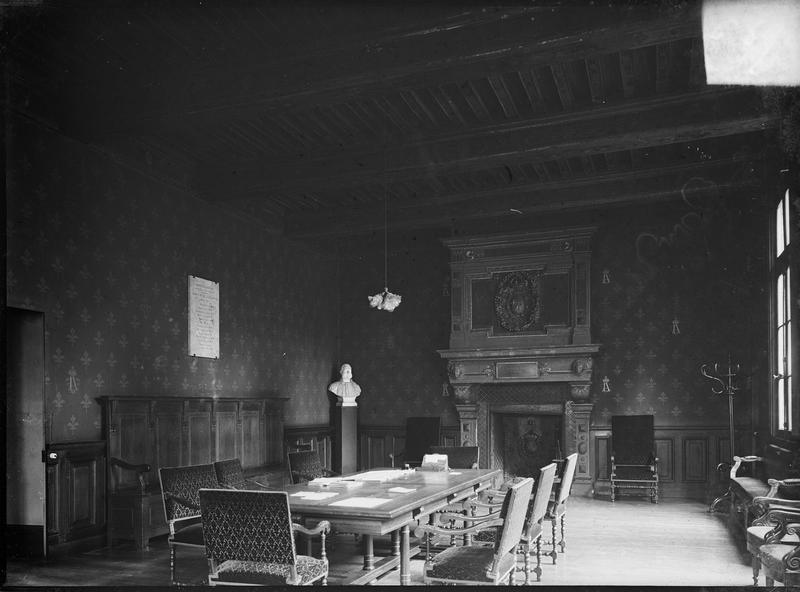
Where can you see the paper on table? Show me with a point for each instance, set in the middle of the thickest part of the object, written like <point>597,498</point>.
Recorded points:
<point>315,495</point>
<point>402,489</point>
<point>378,475</point>
<point>325,480</point>
<point>361,502</point>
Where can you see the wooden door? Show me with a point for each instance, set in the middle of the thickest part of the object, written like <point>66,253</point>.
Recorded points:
<point>25,434</point>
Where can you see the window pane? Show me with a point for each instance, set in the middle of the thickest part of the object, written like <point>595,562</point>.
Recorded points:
<point>789,411</point>
<point>787,210</point>
<point>787,301</point>
<point>779,235</point>
<point>781,354</point>
<point>781,384</point>
<point>780,298</point>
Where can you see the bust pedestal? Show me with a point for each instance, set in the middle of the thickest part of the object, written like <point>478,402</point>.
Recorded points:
<point>345,452</point>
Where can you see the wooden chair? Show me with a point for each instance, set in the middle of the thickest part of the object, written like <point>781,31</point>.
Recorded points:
<point>180,487</point>
<point>481,564</point>
<point>306,465</point>
<point>534,523</point>
<point>557,508</point>
<point>421,434</point>
<point>231,476</point>
<point>634,464</point>
<point>762,531</point>
<point>459,457</point>
<point>249,539</point>
<point>780,561</point>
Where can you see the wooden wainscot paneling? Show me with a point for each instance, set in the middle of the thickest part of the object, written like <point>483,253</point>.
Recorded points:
<point>76,483</point>
<point>145,433</point>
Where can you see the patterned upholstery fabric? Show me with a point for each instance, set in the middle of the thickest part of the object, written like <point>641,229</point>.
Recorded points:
<point>305,466</point>
<point>474,564</point>
<point>309,570</point>
<point>185,482</point>
<point>467,564</point>
<point>459,457</point>
<point>249,538</point>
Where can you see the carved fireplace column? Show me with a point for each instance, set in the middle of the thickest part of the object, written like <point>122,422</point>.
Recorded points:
<point>578,416</point>
<point>467,415</point>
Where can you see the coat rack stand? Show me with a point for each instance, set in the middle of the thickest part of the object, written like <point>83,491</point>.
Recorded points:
<point>724,386</point>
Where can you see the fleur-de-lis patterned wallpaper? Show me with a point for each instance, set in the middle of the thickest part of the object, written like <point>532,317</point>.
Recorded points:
<point>105,252</point>
<point>673,287</point>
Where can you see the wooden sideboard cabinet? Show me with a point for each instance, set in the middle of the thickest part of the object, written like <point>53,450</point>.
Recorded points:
<point>76,496</point>
<point>145,433</point>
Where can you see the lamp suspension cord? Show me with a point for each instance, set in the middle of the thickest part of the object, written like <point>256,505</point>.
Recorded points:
<point>386,241</point>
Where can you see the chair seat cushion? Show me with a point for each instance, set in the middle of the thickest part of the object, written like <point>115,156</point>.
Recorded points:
<point>190,535</point>
<point>748,487</point>
<point>755,538</point>
<point>771,557</point>
<point>467,564</point>
<point>309,570</point>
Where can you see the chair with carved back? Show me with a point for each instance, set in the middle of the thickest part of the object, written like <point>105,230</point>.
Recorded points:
<point>421,434</point>
<point>634,464</point>
<point>231,475</point>
<point>249,537</point>
<point>531,539</point>
<point>557,508</point>
<point>491,564</point>
<point>780,560</point>
<point>782,493</point>
<point>180,492</point>
<point>459,457</point>
<point>305,465</point>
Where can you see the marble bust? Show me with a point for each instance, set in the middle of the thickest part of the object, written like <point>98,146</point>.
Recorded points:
<point>345,389</point>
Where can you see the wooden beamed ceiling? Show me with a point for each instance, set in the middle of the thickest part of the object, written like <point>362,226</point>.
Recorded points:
<point>309,116</point>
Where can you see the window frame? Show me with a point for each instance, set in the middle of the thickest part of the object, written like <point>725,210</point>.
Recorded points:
<point>784,264</point>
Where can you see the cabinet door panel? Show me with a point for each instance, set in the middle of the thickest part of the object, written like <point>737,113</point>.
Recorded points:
<point>226,435</point>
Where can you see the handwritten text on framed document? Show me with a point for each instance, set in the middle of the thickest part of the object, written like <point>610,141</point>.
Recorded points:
<point>203,318</point>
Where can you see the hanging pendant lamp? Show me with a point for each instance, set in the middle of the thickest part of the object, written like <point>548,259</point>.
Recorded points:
<point>385,300</point>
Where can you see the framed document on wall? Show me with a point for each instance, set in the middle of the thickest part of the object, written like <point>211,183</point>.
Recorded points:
<point>203,318</point>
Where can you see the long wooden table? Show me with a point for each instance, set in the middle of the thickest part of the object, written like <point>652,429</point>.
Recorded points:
<point>385,501</point>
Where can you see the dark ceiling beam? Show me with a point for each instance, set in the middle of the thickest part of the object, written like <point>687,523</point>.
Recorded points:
<point>709,178</point>
<point>514,45</point>
<point>609,129</point>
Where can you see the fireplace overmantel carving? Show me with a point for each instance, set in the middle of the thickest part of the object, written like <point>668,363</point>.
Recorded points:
<point>520,314</point>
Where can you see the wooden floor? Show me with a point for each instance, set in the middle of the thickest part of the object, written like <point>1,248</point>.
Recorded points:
<point>630,542</point>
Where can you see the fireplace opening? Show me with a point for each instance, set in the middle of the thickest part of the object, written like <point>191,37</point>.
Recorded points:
<point>524,443</point>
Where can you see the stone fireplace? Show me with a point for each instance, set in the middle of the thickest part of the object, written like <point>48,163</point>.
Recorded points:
<point>520,359</point>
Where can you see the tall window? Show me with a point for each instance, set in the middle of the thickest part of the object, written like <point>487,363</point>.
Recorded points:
<point>783,364</point>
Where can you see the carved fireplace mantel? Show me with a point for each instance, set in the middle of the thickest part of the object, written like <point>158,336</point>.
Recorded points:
<point>520,341</point>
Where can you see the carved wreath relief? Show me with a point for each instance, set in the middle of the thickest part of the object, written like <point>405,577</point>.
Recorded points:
<point>516,302</point>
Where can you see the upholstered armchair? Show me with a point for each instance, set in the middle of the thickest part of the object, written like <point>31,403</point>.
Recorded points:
<point>763,530</point>
<point>557,508</point>
<point>780,560</point>
<point>531,539</point>
<point>480,564</point>
<point>180,487</point>
<point>231,476</point>
<point>249,539</point>
<point>306,465</point>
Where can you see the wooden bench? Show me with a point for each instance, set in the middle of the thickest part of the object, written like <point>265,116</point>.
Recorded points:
<point>749,478</point>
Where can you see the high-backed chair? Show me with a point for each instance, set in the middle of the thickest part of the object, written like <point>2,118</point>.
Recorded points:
<point>557,508</point>
<point>634,465</point>
<point>231,476</point>
<point>180,487</point>
<point>459,457</point>
<point>763,531</point>
<point>249,538</point>
<point>534,522</point>
<point>421,434</point>
<point>780,561</point>
<point>306,465</point>
<point>481,564</point>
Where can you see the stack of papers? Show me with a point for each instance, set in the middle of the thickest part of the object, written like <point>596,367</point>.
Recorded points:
<point>325,480</point>
<point>314,495</point>
<point>379,475</point>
